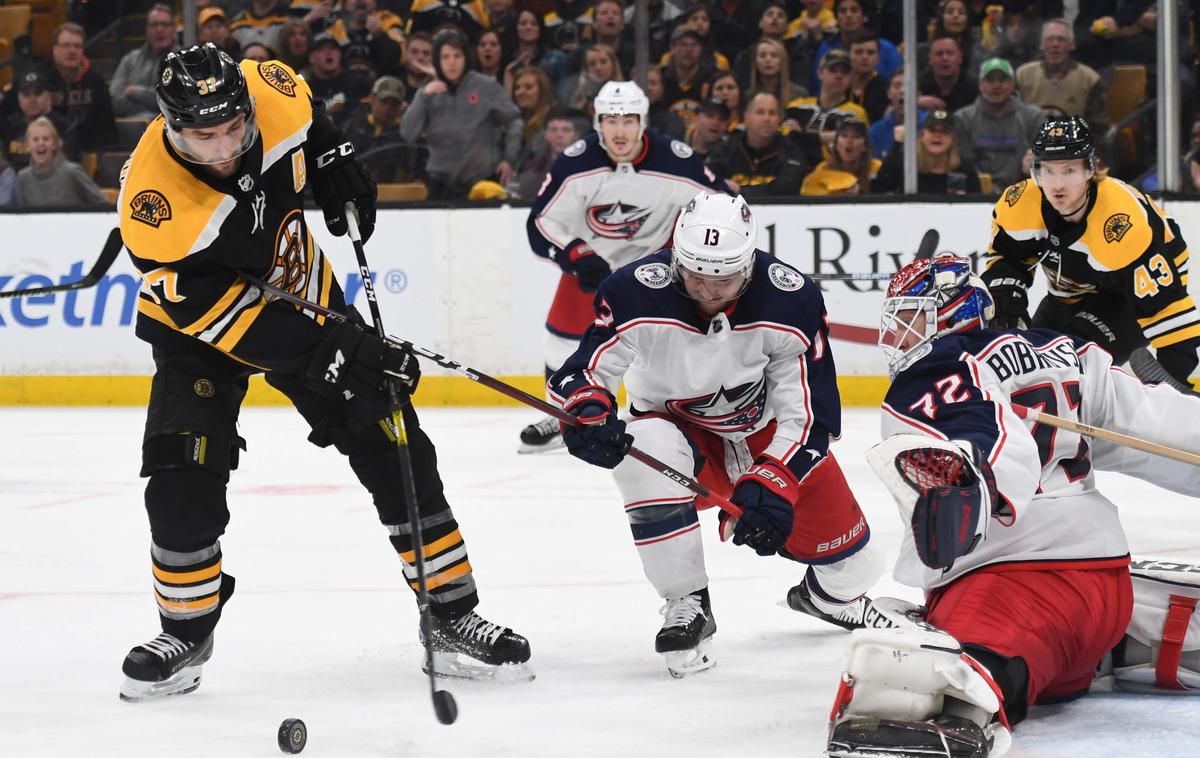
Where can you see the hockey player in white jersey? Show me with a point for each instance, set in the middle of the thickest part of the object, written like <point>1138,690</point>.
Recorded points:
<point>608,200</point>
<point>1025,567</point>
<point>725,356</point>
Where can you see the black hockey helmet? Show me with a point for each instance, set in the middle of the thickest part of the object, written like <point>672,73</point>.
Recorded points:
<point>1064,139</point>
<point>200,87</point>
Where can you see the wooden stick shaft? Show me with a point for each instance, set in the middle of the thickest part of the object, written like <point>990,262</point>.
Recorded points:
<point>1117,438</point>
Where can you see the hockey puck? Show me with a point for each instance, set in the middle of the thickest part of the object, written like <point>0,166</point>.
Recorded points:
<point>293,735</point>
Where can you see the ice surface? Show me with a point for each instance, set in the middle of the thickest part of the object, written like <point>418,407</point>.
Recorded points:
<point>322,628</point>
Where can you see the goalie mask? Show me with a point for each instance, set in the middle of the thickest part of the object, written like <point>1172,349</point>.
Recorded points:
<point>712,255</point>
<point>927,299</point>
<point>202,90</point>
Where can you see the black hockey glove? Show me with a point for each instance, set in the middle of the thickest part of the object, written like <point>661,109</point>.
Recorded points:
<point>947,514</point>
<point>765,493</point>
<point>1012,304</point>
<point>600,439</point>
<point>339,178</point>
<point>351,360</point>
<point>582,262</point>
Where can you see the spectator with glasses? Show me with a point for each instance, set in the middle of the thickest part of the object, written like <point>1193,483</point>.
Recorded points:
<point>79,92</point>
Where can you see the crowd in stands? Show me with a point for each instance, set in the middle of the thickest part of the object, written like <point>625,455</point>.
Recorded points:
<point>473,99</point>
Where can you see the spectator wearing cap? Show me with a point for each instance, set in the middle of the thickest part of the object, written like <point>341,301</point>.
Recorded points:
<point>372,40</point>
<point>698,18</point>
<point>835,73</point>
<point>661,118</point>
<point>377,126</point>
<point>1059,81</point>
<point>945,78</point>
<point>881,133</point>
<point>760,161</point>
<point>684,75</point>
<point>132,87</point>
<point>995,131</point>
<point>849,168</point>
<point>338,88</point>
<point>470,16</point>
<point>50,179</point>
<point>34,101</point>
<point>212,27</point>
<point>260,22</point>
<point>711,126</point>
<point>868,88</point>
<point>79,93</point>
<point>851,17</point>
<point>561,132</point>
<point>470,125</point>
<point>941,170</point>
<point>292,42</point>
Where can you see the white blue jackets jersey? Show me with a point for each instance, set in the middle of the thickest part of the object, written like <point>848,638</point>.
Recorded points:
<point>1049,510</point>
<point>765,358</point>
<point>623,211</point>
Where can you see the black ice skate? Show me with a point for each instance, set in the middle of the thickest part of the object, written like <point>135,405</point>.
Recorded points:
<point>166,665</point>
<point>944,737</point>
<point>846,615</point>
<point>541,436</point>
<point>686,635</point>
<point>500,652</point>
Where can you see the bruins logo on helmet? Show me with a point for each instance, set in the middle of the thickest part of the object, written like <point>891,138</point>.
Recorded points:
<point>278,77</point>
<point>150,207</point>
<point>1014,194</point>
<point>1116,226</point>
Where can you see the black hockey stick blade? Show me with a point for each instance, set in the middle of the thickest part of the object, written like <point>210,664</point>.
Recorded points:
<point>112,248</point>
<point>445,707</point>
<point>928,245</point>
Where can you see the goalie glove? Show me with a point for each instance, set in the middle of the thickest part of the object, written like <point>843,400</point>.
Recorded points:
<point>941,492</point>
<point>579,260</point>
<point>1012,304</point>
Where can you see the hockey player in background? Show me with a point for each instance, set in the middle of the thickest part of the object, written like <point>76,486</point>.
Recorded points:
<point>608,200</point>
<point>214,189</point>
<point>1025,567</point>
<point>1116,265</point>
<point>725,354</point>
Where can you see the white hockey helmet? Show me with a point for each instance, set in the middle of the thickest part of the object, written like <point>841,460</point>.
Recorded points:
<point>619,99</point>
<point>715,235</point>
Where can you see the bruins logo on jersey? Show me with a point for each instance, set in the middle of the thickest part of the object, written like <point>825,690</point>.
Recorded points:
<point>278,77</point>
<point>1116,226</point>
<point>150,207</point>
<point>290,268</point>
<point>1014,194</point>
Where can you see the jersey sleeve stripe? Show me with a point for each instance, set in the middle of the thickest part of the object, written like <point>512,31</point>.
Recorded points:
<point>214,331</point>
<point>929,430</point>
<point>221,307</point>
<point>1171,338</point>
<point>1179,306</point>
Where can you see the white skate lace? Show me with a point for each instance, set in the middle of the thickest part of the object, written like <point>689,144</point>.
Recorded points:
<point>474,625</point>
<point>681,612</point>
<point>852,611</point>
<point>167,645</point>
<point>547,426</point>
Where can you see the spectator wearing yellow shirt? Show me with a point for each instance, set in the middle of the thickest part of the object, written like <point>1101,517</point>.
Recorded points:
<point>813,24</point>
<point>849,169</point>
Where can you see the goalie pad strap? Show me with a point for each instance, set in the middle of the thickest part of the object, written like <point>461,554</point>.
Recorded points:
<point>1175,628</point>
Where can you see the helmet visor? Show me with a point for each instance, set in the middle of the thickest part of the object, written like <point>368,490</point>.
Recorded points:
<point>706,288</point>
<point>213,145</point>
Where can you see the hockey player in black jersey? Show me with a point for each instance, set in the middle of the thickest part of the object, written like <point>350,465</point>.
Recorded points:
<point>214,191</point>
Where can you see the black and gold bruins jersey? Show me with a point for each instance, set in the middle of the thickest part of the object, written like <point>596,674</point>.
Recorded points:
<point>191,234</point>
<point>1124,245</point>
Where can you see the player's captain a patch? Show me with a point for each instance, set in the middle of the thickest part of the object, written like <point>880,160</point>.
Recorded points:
<point>654,275</point>
<point>1116,226</point>
<point>278,77</point>
<point>150,207</point>
<point>784,278</point>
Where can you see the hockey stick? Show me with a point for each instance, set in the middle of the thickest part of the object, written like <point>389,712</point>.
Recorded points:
<point>510,391</point>
<point>112,248</point>
<point>1147,368</point>
<point>443,702</point>
<point>1117,438</point>
<point>928,246</point>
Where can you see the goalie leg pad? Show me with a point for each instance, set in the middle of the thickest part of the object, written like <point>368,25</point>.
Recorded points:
<point>1161,650</point>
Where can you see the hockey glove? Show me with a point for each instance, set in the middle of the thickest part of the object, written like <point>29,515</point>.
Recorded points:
<point>1012,304</point>
<point>765,493</point>
<point>582,262</point>
<point>351,360</point>
<point>600,438</point>
<point>340,178</point>
<point>952,493</point>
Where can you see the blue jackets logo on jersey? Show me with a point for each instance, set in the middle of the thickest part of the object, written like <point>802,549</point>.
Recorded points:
<point>726,410</point>
<point>617,220</point>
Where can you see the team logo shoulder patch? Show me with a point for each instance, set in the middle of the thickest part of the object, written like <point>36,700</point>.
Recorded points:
<point>575,149</point>
<point>150,207</point>
<point>654,275</point>
<point>1013,194</point>
<point>1116,226</point>
<point>784,278</point>
<point>278,77</point>
<point>682,149</point>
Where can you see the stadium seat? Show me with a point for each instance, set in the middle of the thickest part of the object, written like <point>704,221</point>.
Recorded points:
<point>985,182</point>
<point>110,194</point>
<point>129,131</point>
<point>14,20</point>
<point>88,162</point>
<point>108,169</point>
<point>1127,91</point>
<point>403,192</point>
<point>6,51</point>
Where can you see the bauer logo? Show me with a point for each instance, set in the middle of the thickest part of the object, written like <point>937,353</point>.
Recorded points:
<point>654,275</point>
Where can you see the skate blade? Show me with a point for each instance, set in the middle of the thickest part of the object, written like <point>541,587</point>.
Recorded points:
<point>681,663</point>
<point>185,680</point>
<point>555,444</point>
<point>454,666</point>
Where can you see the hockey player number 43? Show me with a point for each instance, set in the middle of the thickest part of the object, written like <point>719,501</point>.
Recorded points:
<point>1148,277</point>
